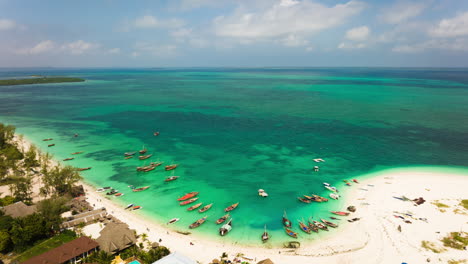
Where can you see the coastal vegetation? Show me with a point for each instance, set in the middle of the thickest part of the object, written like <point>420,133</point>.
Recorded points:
<point>464,203</point>
<point>40,80</point>
<point>456,240</point>
<point>431,246</point>
<point>147,257</point>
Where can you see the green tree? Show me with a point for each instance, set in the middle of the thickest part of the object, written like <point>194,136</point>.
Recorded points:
<point>51,209</point>
<point>60,180</point>
<point>5,241</point>
<point>100,257</point>
<point>6,134</point>
<point>21,189</point>
<point>27,230</point>
<point>30,158</point>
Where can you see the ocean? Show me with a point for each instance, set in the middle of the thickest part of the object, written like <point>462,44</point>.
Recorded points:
<point>234,131</point>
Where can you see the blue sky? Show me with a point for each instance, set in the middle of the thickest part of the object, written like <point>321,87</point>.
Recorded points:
<point>233,33</point>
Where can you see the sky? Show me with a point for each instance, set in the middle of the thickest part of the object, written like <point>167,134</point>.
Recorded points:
<point>233,33</point>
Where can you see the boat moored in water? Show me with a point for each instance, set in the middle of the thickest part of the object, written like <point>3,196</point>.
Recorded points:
<point>75,153</point>
<point>119,194</point>
<point>129,206</point>
<point>205,208</point>
<point>193,207</point>
<point>312,226</point>
<point>231,207</point>
<point>172,178</point>
<point>334,196</point>
<point>340,213</point>
<point>265,235</point>
<point>328,223</point>
<point>222,219</point>
<point>286,221</point>
<point>50,145</point>
<point>143,151</point>
<point>198,223</point>
<point>173,220</point>
<point>304,200</point>
<point>188,201</point>
<point>137,207</point>
<point>145,157</point>
<point>127,154</point>
<point>83,169</point>
<point>188,196</point>
<point>171,167</point>
<point>140,189</point>
<point>304,227</point>
<point>47,139</point>
<point>290,232</point>
<point>226,228</point>
<point>67,159</point>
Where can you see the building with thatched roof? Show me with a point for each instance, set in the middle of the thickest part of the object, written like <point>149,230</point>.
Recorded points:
<point>175,258</point>
<point>265,261</point>
<point>71,252</point>
<point>19,209</point>
<point>86,218</point>
<point>116,237</point>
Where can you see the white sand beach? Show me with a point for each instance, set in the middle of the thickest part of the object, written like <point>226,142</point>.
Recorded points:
<point>375,238</point>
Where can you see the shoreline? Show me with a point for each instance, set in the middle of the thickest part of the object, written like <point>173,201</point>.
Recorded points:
<point>353,241</point>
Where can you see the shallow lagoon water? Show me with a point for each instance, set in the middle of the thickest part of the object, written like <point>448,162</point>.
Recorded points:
<point>233,131</point>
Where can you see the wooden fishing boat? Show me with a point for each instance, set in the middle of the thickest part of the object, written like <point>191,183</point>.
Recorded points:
<point>193,207</point>
<point>232,207</point>
<point>156,164</point>
<point>328,223</point>
<point>145,157</point>
<point>68,159</point>
<point>205,208</point>
<point>188,196</point>
<point>198,222</point>
<point>308,197</point>
<point>156,134</point>
<point>226,228</point>
<point>320,225</point>
<point>188,201</point>
<point>319,199</point>
<point>128,206</point>
<point>356,181</point>
<point>129,157</point>
<point>143,151</point>
<point>340,213</point>
<point>118,194</point>
<point>286,221</point>
<point>265,235</point>
<point>304,200</point>
<point>173,220</point>
<point>172,178</point>
<point>83,169</point>
<point>140,189</point>
<point>137,207</point>
<point>334,218</point>
<point>312,226</point>
<point>75,153</point>
<point>149,169</point>
<point>290,232</point>
<point>171,167</point>
<point>47,139</point>
<point>222,219</point>
<point>112,192</point>
<point>50,145</point>
<point>304,227</point>
<point>127,154</point>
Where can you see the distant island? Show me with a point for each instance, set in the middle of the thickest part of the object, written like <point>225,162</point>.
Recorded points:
<point>41,79</point>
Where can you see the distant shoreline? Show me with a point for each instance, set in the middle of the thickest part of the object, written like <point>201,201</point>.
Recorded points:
<point>40,80</point>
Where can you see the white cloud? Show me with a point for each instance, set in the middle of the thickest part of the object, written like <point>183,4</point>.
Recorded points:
<point>153,22</point>
<point>358,33</point>
<point>41,47</point>
<point>293,41</point>
<point>402,11</point>
<point>114,51</point>
<point>434,44</point>
<point>284,18</point>
<point>181,33</point>
<point>159,50</point>
<point>7,24</point>
<point>79,47</point>
<point>452,27</point>
<point>351,46</point>
<point>192,4</point>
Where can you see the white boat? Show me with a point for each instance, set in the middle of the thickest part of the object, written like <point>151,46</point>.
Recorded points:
<point>262,193</point>
<point>225,228</point>
<point>334,196</point>
<point>326,184</point>
<point>319,160</point>
<point>100,190</point>
<point>173,220</point>
<point>128,206</point>
<point>331,188</point>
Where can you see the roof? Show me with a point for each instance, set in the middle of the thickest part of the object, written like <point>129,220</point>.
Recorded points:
<point>175,258</point>
<point>64,252</point>
<point>19,209</point>
<point>265,261</point>
<point>116,237</point>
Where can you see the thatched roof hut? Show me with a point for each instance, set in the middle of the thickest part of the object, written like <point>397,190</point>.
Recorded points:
<point>116,237</point>
<point>265,261</point>
<point>19,209</point>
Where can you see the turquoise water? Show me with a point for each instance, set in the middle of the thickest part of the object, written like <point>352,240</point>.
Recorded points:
<point>233,131</point>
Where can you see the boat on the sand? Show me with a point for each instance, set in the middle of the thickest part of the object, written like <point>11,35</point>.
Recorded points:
<point>286,221</point>
<point>265,235</point>
<point>231,207</point>
<point>188,196</point>
<point>198,222</point>
<point>334,196</point>
<point>140,189</point>
<point>226,228</point>
<point>356,181</point>
<point>188,201</point>
<point>328,223</point>
<point>193,207</point>
<point>205,208</point>
<point>173,220</point>
<point>290,232</point>
<point>340,213</point>
<point>222,219</point>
